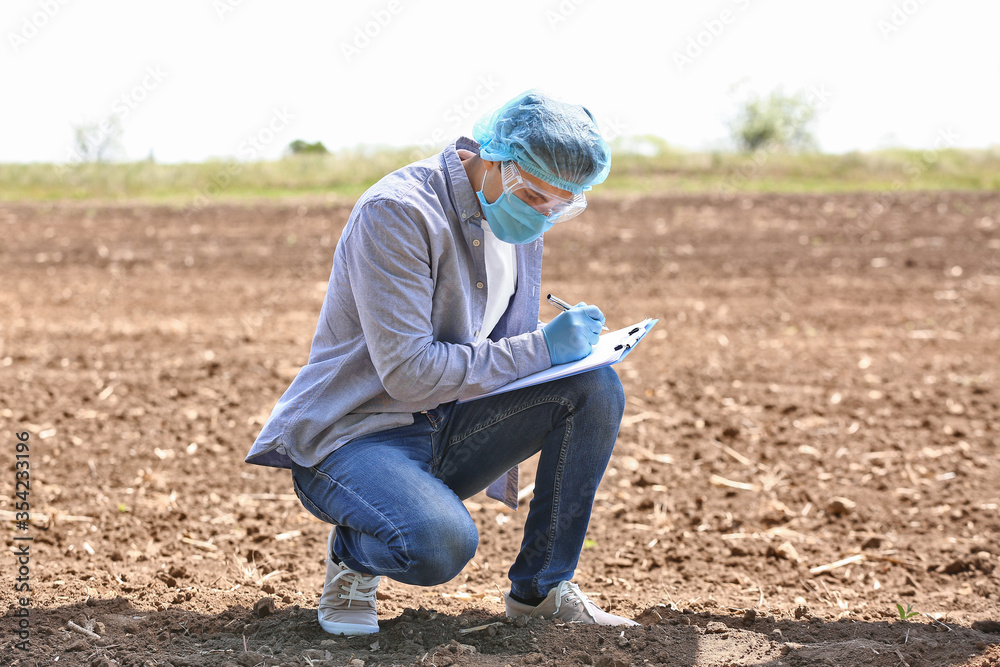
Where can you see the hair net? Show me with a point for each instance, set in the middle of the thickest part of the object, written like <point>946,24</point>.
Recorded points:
<point>556,142</point>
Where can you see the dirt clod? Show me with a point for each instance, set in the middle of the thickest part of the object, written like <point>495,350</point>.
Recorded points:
<point>873,542</point>
<point>264,607</point>
<point>77,645</point>
<point>250,659</point>
<point>992,627</point>
<point>784,551</point>
<point>840,506</point>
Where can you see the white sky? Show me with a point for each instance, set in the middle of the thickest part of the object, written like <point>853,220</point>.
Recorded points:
<point>212,73</point>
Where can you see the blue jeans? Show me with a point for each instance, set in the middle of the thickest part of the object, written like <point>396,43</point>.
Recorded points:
<point>396,495</point>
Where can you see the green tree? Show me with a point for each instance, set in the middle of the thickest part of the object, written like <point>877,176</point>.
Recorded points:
<point>776,121</point>
<point>300,147</point>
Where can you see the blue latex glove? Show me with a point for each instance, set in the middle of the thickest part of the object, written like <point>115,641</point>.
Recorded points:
<point>571,335</point>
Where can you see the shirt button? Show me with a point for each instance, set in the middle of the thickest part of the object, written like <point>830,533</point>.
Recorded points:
<point>479,285</point>
<point>475,215</point>
<point>476,242</point>
<point>476,334</point>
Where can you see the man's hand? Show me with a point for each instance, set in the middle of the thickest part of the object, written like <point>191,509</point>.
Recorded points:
<point>571,335</point>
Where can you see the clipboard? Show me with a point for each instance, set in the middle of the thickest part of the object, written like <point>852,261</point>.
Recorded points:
<point>610,349</point>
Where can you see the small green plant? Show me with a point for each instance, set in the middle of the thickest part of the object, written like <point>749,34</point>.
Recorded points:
<point>906,613</point>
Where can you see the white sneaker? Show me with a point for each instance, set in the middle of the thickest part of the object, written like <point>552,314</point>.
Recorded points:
<point>567,603</point>
<point>347,605</point>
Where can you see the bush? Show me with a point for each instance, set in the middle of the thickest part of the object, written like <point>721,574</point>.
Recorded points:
<point>299,147</point>
<point>775,122</point>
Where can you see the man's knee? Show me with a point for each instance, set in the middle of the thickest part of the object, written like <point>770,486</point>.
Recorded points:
<point>602,390</point>
<point>439,550</point>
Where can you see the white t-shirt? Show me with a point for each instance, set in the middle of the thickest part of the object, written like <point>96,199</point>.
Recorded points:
<point>501,279</point>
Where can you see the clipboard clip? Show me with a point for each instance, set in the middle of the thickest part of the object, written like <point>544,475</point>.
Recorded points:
<point>631,338</point>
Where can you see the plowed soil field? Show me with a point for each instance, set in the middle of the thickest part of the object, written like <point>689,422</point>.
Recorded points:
<point>811,438</point>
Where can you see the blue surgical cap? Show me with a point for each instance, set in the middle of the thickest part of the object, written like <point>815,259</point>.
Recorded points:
<point>556,142</point>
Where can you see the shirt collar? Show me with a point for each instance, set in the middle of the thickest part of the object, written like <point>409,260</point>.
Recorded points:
<point>466,202</point>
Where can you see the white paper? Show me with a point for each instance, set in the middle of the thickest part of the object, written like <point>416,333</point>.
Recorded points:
<point>603,354</point>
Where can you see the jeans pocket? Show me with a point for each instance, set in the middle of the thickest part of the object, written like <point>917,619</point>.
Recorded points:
<point>310,506</point>
<point>438,419</point>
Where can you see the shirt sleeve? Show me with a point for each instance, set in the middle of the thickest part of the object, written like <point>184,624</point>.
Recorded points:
<point>387,251</point>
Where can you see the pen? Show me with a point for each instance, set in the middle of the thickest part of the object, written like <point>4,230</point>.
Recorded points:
<point>562,305</point>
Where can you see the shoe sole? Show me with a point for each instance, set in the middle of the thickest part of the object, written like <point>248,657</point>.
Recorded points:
<point>347,628</point>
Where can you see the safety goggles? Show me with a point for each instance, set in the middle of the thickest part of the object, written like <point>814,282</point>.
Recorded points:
<point>555,208</point>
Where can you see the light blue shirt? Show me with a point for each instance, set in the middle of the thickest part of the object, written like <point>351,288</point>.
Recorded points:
<point>397,333</point>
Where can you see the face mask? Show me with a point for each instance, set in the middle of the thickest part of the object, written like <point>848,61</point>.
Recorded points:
<point>512,220</point>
